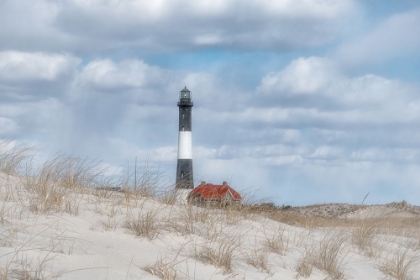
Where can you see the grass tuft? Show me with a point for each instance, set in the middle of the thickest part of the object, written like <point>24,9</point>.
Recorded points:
<point>258,258</point>
<point>326,256</point>
<point>144,225</point>
<point>219,253</point>
<point>401,266</point>
<point>163,270</point>
<point>275,242</point>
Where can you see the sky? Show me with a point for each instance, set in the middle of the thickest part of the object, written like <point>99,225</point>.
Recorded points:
<point>297,101</point>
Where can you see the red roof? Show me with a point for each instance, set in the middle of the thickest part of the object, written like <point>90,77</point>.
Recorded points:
<point>210,191</point>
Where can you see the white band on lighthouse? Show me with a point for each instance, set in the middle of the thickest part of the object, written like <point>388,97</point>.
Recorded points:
<point>185,145</point>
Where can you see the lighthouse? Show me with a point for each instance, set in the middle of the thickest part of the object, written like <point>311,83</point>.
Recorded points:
<point>184,169</point>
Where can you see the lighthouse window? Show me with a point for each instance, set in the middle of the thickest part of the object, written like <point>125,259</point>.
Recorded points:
<point>182,174</point>
<point>183,116</point>
<point>183,129</point>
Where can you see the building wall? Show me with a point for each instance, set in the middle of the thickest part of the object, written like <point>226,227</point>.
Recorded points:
<point>197,200</point>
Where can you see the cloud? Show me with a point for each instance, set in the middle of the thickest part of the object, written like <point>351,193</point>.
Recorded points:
<point>25,67</point>
<point>163,154</point>
<point>396,155</point>
<point>319,84</point>
<point>28,26</point>
<point>105,75</point>
<point>351,181</point>
<point>355,133</point>
<point>156,26</point>
<point>303,76</point>
<point>178,24</point>
<point>135,80</point>
<point>323,118</point>
<point>29,76</point>
<point>48,117</point>
<point>8,127</point>
<point>397,36</point>
<point>255,179</point>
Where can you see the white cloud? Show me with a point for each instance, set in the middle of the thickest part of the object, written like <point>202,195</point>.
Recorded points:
<point>301,76</point>
<point>111,170</point>
<point>23,67</point>
<point>129,150</point>
<point>106,74</point>
<point>395,37</point>
<point>8,127</point>
<point>322,81</point>
<point>43,123</point>
<point>207,39</point>
<point>327,152</point>
<point>28,26</point>
<point>164,25</point>
<point>405,155</point>
<point>135,80</point>
<point>351,181</point>
<point>243,174</point>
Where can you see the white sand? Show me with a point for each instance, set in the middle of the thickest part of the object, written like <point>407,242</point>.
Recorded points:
<point>95,244</point>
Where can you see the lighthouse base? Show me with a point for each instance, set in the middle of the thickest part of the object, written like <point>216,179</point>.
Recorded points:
<point>181,196</point>
<point>184,174</point>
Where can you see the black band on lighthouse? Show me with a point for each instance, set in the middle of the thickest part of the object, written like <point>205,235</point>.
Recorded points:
<point>184,175</point>
<point>184,118</point>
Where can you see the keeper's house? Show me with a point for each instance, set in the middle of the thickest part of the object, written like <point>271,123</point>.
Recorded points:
<point>214,195</point>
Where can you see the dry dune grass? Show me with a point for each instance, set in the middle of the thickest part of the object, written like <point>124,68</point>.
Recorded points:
<point>163,270</point>
<point>232,240</point>
<point>326,255</point>
<point>143,225</point>
<point>13,155</point>
<point>292,218</point>
<point>275,241</point>
<point>258,258</point>
<point>401,265</point>
<point>219,253</point>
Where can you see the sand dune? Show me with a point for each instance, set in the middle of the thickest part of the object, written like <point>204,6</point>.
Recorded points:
<point>53,227</point>
<point>343,210</point>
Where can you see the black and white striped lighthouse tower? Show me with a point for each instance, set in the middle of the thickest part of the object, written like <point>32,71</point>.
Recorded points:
<point>184,169</point>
